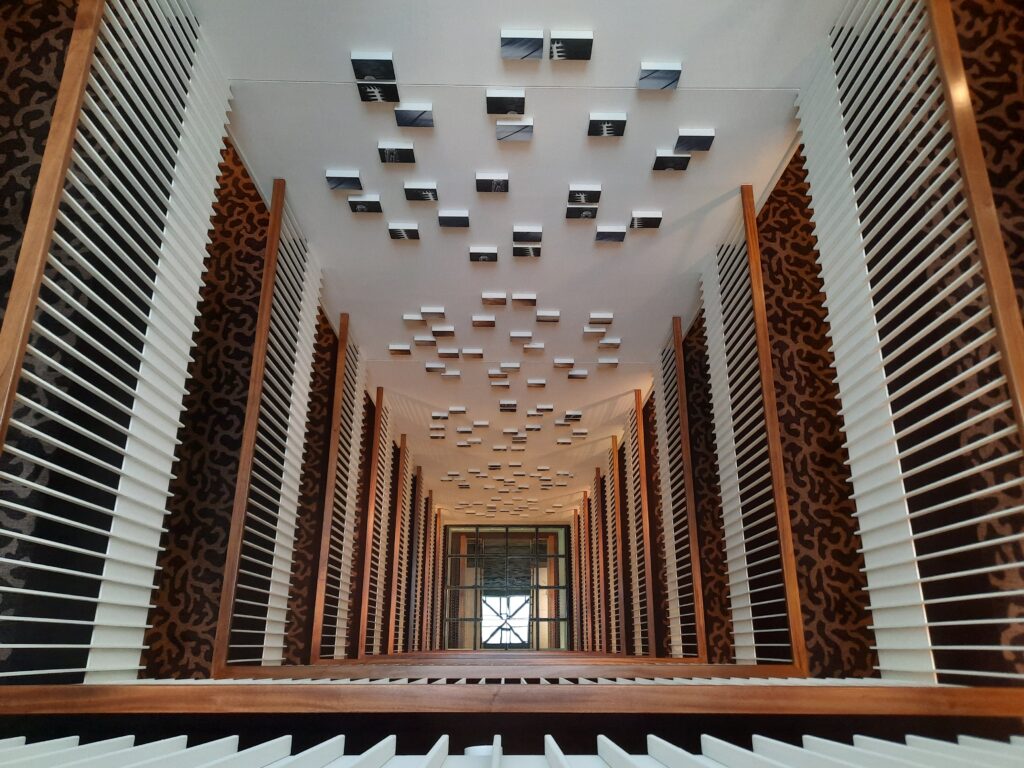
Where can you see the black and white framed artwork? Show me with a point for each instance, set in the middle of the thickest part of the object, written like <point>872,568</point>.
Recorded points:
<point>421,191</point>
<point>453,218</point>
<point>483,253</point>
<point>373,66</point>
<point>695,139</point>
<point>414,115</point>
<point>581,212</point>
<point>396,152</point>
<point>525,251</point>
<point>580,194</point>
<point>607,124</point>
<point>522,44</point>
<point>659,76</point>
<point>527,233</point>
<point>342,180</point>
<point>669,160</point>
<point>610,234</point>
<point>645,220</point>
<point>403,231</point>
<point>506,101</point>
<point>514,130</point>
<point>491,182</point>
<point>365,203</point>
<point>378,92</point>
<point>571,46</point>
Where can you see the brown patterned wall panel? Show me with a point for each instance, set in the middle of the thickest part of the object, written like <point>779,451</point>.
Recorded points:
<point>34,35</point>
<point>707,495</point>
<point>309,519</point>
<point>191,566</point>
<point>658,612</point>
<point>832,586</point>
<point>991,36</point>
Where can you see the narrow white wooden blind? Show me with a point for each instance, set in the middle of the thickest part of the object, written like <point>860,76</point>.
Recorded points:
<point>376,619</point>
<point>674,513</point>
<point>339,611</point>
<point>402,569</point>
<point>865,751</point>
<point>260,610</point>
<point>614,573</point>
<point>87,462</point>
<point>753,554</point>
<point>636,553</point>
<point>934,449</point>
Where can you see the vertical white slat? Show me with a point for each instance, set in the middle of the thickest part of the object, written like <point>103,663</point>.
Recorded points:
<point>732,513</point>
<point>134,754</point>
<point>196,757</point>
<point>377,755</point>
<point>322,755</point>
<point>122,610</point>
<point>793,756</point>
<point>672,756</point>
<point>732,756</point>
<point>49,747</point>
<point>553,753</point>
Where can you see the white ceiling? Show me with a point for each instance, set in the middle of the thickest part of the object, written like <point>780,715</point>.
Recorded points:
<point>296,112</point>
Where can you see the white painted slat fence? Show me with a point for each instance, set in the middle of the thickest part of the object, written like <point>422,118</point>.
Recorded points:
<point>88,456</point>
<point>815,752</point>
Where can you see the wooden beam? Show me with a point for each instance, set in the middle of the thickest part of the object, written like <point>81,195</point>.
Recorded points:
<point>417,560</point>
<point>586,590</point>
<point>616,514</point>
<point>428,578</point>
<point>368,522</point>
<point>775,700</point>
<point>396,545</point>
<point>771,417</point>
<point>330,486</point>
<point>981,205</point>
<point>247,450</point>
<point>38,235</point>
<point>645,521</point>
<point>691,502</point>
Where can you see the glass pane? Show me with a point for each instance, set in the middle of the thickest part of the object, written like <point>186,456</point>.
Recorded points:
<point>552,635</point>
<point>506,621</point>
<point>549,572</point>
<point>463,571</point>
<point>463,603</point>
<point>549,542</point>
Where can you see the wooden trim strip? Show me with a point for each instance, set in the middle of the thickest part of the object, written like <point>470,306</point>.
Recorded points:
<point>587,576</point>
<point>771,417</point>
<point>38,236</point>
<point>417,559</point>
<point>428,577</point>
<point>621,569</point>
<point>645,520</point>
<point>981,205</point>
<point>156,698</point>
<point>330,485</point>
<point>368,521</point>
<point>396,546</point>
<point>252,411</point>
<point>691,501</point>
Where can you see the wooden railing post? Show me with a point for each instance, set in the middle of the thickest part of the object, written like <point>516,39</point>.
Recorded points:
<point>798,642</point>
<point>691,502</point>
<point>620,563</point>
<point>645,521</point>
<point>330,485</point>
<point>248,447</point>
<point>396,546</point>
<point>38,235</point>
<point>368,523</point>
<point>981,206</point>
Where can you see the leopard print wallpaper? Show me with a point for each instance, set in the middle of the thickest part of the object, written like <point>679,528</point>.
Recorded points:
<point>191,566</point>
<point>707,494</point>
<point>991,36</point>
<point>34,35</point>
<point>306,557</point>
<point>832,587</point>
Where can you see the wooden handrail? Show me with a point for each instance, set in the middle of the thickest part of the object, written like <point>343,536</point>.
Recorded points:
<point>988,235</point>
<point>368,523</point>
<point>794,618</point>
<point>775,700</point>
<point>396,546</point>
<point>330,485</point>
<point>645,521</point>
<point>247,450</point>
<point>679,356</point>
<point>46,197</point>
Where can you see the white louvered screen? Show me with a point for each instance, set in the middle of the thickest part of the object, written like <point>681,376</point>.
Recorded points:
<point>612,565</point>
<point>339,611</point>
<point>674,513</point>
<point>636,553</point>
<point>402,569</point>
<point>865,751</point>
<point>260,609</point>
<point>87,461</point>
<point>935,455</point>
<point>376,618</point>
<point>753,554</point>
